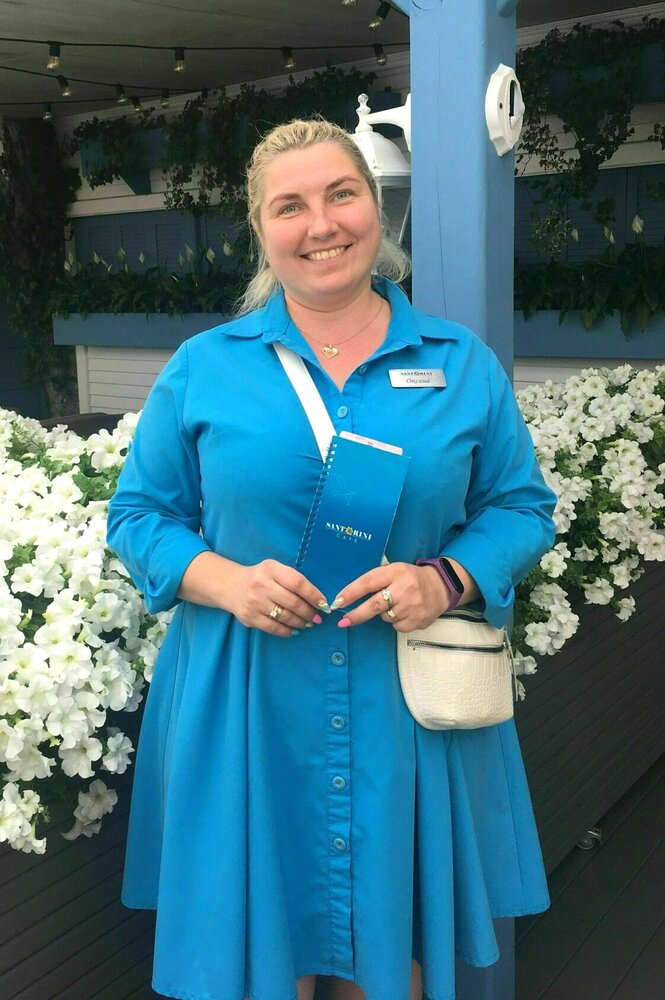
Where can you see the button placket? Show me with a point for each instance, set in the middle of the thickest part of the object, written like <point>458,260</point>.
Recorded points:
<point>338,762</point>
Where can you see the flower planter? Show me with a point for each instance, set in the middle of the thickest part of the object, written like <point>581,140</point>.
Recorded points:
<point>155,330</point>
<point>594,717</point>
<point>542,336</point>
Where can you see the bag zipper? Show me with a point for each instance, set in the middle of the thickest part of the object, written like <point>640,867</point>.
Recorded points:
<point>418,643</point>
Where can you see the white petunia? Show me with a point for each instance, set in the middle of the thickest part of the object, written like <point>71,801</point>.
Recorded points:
<point>117,756</point>
<point>626,608</point>
<point>78,759</point>
<point>600,591</point>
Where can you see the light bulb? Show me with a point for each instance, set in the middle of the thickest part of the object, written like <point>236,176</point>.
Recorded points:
<point>48,114</point>
<point>165,97</point>
<point>53,56</point>
<point>381,57</point>
<point>121,95</point>
<point>381,14</point>
<point>179,63</point>
<point>65,87</point>
<point>289,61</point>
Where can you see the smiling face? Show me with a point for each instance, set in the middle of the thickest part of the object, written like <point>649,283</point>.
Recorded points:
<point>319,226</point>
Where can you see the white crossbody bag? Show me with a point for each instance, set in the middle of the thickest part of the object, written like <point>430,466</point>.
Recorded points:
<point>458,672</point>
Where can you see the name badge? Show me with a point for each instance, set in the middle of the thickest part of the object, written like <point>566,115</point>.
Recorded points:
<point>417,378</point>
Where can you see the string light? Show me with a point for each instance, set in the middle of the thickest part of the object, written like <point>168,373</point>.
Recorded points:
<point>381,57</point>
<point>65,87</point>
<point>136,101</point>
<point>179,60</point>
<point>349,3</point>
<point>165,97</point>
<point>289,61</point>
<point>381,14</point>
<point>53,56</point>
<point>47,114</point>
<point>121,95</point>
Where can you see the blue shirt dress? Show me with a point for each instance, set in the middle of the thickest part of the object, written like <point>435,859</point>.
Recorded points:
<point>289,816</point>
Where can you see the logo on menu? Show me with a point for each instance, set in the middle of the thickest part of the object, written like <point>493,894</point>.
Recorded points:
<point>348,533</point>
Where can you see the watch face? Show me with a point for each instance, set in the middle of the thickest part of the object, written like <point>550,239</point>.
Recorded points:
<point>450,572</point>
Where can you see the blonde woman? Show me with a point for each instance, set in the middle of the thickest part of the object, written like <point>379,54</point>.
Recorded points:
<point>290,819</point>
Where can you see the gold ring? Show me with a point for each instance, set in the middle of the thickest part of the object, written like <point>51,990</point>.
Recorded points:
<point>387,596</point>
<point>391,613</point>
<point>277,612</point>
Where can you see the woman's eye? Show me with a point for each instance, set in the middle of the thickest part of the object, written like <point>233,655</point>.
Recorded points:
<point>342,195</point>
<point>288,209</point>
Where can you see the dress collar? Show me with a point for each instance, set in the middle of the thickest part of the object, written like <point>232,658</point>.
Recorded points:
<point>407,326</point>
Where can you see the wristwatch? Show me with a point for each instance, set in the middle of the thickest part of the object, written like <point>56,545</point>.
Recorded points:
<point>454,585</point>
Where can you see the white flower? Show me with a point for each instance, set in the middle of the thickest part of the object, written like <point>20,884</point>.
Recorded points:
<point>637,225</point>
<point>119,747</point>
<point>599,591</point>
<point>78,759</point>
<point>96,802</point>
<point>584,554</point>
<point>553,563</point>
<point>626,608</point>
<point>652,546</point>
<point>538,637</point>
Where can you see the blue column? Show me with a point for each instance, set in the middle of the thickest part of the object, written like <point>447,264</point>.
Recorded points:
<point>463,192</point>
<point>463,231</point>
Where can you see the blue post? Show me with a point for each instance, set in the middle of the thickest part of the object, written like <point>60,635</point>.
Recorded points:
<point>463,192</point>
<point>463,230</point>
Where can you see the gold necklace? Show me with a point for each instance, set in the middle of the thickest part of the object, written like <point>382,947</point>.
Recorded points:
<point>332,350</point>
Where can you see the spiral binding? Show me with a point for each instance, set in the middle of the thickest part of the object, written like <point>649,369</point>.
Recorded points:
<point>316,503</point>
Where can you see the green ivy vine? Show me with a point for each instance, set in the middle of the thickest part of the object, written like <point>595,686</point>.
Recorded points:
<point>589,78</point>
<point>35,190</point>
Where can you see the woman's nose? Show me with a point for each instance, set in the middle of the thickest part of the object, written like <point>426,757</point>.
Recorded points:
<point>321,222</point>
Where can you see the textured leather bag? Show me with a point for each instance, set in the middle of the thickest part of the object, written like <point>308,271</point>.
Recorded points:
<point>458,673</point>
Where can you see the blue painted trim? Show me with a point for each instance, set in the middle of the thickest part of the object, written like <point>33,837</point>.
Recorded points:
<point>463,214</point>
<point>542,337</point>
<point>156,330</point>
<point>403,5</point>
<point>506,7</point>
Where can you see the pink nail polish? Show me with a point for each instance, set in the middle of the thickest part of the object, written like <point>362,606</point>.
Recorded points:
<point>344,623</point>
<point>317,619</point>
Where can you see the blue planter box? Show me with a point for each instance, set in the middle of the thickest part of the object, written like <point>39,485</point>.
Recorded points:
<point>156,330</point>
<point>542,337</point>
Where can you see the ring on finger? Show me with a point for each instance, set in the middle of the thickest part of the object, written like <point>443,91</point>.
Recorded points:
<point>391,614</point>
<point>276,612</point>
<point>387,596</point>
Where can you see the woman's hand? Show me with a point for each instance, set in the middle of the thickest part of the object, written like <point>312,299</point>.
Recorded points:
<point>270,586</point>
<point>418,596</point>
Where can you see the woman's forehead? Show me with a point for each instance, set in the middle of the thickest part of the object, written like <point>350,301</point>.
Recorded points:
<point>312,166</point>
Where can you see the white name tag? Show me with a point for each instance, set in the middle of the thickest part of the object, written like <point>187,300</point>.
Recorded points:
<point>417,378</point>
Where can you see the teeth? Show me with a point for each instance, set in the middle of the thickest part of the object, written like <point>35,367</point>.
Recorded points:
<point>325,254</point>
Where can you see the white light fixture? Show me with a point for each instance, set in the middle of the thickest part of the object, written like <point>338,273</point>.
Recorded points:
<point>388,164</point>
<point>504,109</point>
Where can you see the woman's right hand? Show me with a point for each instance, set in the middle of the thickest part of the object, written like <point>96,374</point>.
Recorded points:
<point>267,585</point>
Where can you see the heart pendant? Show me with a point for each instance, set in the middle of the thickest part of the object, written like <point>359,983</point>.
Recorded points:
<point>329,351</point>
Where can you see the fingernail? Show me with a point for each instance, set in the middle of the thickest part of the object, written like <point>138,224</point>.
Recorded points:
<point>324,606</point>
<point>344,622</point>
<point>309,625</point>
<point>337,603</point>
<point>317,619</point>
<point>295,631</point>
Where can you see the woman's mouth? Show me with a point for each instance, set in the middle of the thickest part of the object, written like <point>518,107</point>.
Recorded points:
<point>325,254</point>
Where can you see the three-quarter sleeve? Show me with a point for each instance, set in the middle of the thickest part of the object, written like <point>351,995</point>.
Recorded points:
<point>155,514</point>
<point>509,507</point>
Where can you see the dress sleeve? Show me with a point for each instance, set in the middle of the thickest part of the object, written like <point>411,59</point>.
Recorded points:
<point>155,514</point>
<point>509,507</point>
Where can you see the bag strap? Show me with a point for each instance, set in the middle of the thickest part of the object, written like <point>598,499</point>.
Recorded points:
<point>309,396</point>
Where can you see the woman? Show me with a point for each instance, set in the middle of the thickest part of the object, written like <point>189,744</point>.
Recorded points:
<point>289,817</point>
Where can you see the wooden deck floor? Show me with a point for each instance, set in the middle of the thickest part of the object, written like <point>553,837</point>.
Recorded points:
<point>604,937</point>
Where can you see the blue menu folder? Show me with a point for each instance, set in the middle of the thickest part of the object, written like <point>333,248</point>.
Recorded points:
<point>351,515</point>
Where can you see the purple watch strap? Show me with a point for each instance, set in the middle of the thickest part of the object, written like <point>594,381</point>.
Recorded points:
<point>455,594</point>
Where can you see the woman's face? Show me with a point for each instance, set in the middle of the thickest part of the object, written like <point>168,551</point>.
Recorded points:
<point>319,226</point>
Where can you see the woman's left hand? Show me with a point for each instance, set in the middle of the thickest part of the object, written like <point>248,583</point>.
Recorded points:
<point>418,596</point>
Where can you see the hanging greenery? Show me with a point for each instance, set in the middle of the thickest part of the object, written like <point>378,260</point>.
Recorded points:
<point>35,191</point>
<point>212,138</point>
<point>589,78</point>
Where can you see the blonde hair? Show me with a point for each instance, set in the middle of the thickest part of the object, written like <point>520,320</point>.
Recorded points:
<point>391,260</point>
